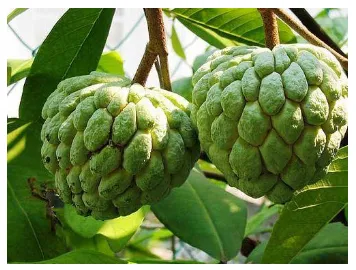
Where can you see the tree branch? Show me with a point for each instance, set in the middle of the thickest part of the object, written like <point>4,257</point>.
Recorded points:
<point>309,22</point>
<point>145,66</point>
<point>270,26</point>
<point>310,37</point>
<point>159,72</point>
<point>155,47</point>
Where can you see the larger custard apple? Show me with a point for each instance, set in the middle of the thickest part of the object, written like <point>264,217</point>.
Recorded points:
<point>271,121</point>
<point>114,147</point>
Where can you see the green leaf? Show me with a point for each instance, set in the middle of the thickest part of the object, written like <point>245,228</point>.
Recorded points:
<point>19,69</point>
<point>201,59</point>
<point>16,12</point>
<point>239,25</point>
<point>256,255</point>
<point>138,251</point>
<point>330,245</point>
<point>158,261</point>
<point>347,212</point>
<point>204,216</point>
<point>9,69</point>
<point>334,23</point>
<point>183,87</point>
<point>117,231</point>
<point>308,212</point>
<point>29,235</point>
<point>74,241</point>
<point>143,235</point>
<point>84,257</point>
<point>255,222</point>
<point>111,62</point>
<point>176,44</point>
<point>210,36</point>
<point>72,48</point>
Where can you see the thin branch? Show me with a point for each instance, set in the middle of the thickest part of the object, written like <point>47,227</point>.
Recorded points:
<point>310,37</point>
<point>271,27</point>
<point>309,22</point>
<point>155,47</point>
<point>159,72</point>
<point>165,72</point>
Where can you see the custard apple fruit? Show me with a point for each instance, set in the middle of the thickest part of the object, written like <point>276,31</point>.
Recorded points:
<point>271,121</point>
<point>114,147</point>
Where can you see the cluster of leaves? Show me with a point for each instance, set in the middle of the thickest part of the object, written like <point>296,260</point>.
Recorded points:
<point>200,213</point>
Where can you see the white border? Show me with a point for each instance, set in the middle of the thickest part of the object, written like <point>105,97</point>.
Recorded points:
<point>181,3</point>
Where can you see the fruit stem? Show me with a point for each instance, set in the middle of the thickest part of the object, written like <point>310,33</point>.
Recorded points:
<point>159,72</point>
<point>309,36</point>
<point>156,47</point>
<point>271,27</point>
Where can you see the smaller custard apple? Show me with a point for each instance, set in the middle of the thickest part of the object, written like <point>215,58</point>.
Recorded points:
<point>114,147</point>
<point>270,120</point>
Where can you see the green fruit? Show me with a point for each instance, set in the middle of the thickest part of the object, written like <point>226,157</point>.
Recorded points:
<point>271,121</point>
<point>114,147</point>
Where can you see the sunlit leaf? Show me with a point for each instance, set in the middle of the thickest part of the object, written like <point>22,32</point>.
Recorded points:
<point>16,12</point>
<point>308,212</point>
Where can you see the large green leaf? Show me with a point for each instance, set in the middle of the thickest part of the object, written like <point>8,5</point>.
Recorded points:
<point>84,257</point>
<point>72,48</point>
<point>210,36</point>
<point>239,25</point>
<point>330,245</point>
<point>176,44</point>
<point>204,216</point>
<point>117,231</point>
<point>111,62</point>
<point>75,241</point>
<point>29,236</point>
<point>16,12</point>
<point>19,69</point>
<point>308,212</point>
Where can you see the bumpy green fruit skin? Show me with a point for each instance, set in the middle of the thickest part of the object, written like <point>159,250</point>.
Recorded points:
<point>114,147</point>
<point>271,121</point>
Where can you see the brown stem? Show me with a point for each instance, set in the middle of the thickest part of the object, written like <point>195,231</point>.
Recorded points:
<point>271,27</point>
<point>155,47</point>
<point>145,67</point>
<point>159,72</point>
<point>165,72</point>
<point>310,37</point>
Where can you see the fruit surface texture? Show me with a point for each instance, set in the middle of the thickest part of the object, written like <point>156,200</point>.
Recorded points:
<point>270,120</point>
<point>113,146</point>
